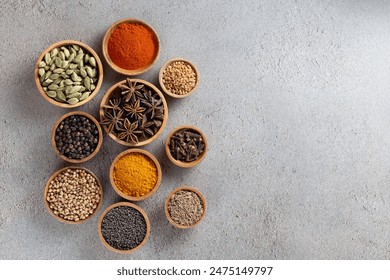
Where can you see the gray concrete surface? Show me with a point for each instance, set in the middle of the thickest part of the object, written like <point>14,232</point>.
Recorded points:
<point>295,101</point>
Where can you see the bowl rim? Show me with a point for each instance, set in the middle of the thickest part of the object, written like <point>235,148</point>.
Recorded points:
<point>150,156</point>
<point>162,85</point>
<point>127,204</point>
<point>66,43</point>
<point>184,188</point>
<point>75,113</point>
<point>104,101</point>
<point>55,174</point>
<point>107,56</point>
<point>181,163</point>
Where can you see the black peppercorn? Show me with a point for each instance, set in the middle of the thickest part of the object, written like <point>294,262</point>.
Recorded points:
<point>76,137</point>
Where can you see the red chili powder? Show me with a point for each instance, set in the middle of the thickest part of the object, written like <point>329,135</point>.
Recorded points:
<point>132,46</point>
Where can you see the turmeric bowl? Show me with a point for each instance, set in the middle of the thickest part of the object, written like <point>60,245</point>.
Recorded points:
<point>135,174</point>
<point>140,42</point>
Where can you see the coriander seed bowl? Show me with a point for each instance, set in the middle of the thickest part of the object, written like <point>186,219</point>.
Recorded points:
<point>135,174</point>
<point>76,137</point>
<point>178,78</point>
<point>68,74</point>
<point>73,194</point>
<point>186,146</point>
<point>185,207</point>
<point>124,227</point>
<point>133,112</point>
<point>131,46</point>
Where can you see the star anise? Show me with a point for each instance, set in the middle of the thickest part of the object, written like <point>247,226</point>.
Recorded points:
<point>135,110</point>
<point>113,104</point>
<point>146,127</point>
<point>146,96</point>
<point>129,89</point>
<point>112,120</point>
<point>129,132</point>
<point>154,106</point>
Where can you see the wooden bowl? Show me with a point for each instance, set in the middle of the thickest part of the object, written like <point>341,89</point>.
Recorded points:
<point>184,188</point>
<point>47,189</point>
<point>182,163</point>
<point>162,85</point>
<point>115,67</point>
<point>159,175</point>
<point>61,44</point>
<point>106,98</point>
<point>128,204</point>
<point>53,134</point>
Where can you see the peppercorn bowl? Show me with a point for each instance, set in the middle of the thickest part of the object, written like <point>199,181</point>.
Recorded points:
<point>185,203</point>
<point>73,194</point>
<point>140,41</point>
<point>135,174</point>
<point>186,146</point>
<point>127,224</point>
<point>178,78</point>
<point>76,137</point>
<point>133,112</point>
<point>68,74</point>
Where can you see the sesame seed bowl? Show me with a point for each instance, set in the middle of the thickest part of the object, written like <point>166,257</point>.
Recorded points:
<point>178,78</point>
<point>73,194</point>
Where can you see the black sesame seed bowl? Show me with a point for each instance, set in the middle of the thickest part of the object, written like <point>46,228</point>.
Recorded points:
<point>77,137</point>
<point>133,112</point>
<point>61,199</point>
<point>124,227</point>
<point>186,146</point>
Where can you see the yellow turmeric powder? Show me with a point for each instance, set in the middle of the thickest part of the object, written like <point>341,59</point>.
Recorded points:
<point>135,174</point>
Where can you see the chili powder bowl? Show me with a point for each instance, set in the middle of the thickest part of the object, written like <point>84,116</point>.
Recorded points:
<point>65,43</point>
<point>183,163</point>
<point>143,68</point>
<point>147,155</point>
<point>91,119</point>
<point>134,208</point>
<point>52,177</point>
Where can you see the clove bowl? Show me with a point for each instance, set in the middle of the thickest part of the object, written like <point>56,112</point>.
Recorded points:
<point>123,204</point>
<point>181,84</point>
<point>168,199</point>
<point>91,52</point>
<point>171,154</point>
<point>57,124</point>
<point>111,63</point>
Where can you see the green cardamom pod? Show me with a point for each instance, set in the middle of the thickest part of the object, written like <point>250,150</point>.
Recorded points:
<point>83,73</point>
<point>75,77</point>
<point>47,58</point>
<point>58,71</point>
<point>48,81</point>
<point>61,55</point>
<point>74,95</point>
<point>52,93</point>
<point>54,52</point>
<point>85,95</point>
<point>54,76</point>
<point>75,89</point>
<point>41,72</point>
<point>57,81</point>
<point>42,64</point>
<point>66,52</point>
<point>53,66</point>
<point>53,87</point>
<point>86,58</point>
<point>72,101</point>
<point>61,95</point>
<point>92,61</point>
<point>87,83</point>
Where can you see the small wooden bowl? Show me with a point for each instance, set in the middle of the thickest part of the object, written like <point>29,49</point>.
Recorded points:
<point>106,55</point>
<point>184,188</point>
<point>162,85</point>
<point>61,44</point>
<point>127,204</point>
<point>159,175</point>
<point>106,98</point>
<point>47,189</point>
<point>182,163</point>
<point>53,135</point>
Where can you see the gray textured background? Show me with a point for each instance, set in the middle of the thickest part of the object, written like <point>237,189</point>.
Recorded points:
<point>294,99</point>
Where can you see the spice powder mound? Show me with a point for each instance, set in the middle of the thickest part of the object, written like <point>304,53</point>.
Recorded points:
<point>135,174</point>
<point>185,208</point>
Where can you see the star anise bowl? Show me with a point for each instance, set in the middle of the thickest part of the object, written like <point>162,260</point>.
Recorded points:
<point>133,112</point>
